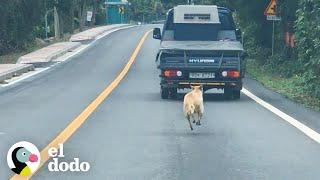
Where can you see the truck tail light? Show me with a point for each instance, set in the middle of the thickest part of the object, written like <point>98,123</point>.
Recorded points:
<point>231,74</point>
<point>172,73</point>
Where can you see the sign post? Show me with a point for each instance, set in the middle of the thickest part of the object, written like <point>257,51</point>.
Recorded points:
<point>121,12</point>
<point>272,53</point>
<point>271,13</point>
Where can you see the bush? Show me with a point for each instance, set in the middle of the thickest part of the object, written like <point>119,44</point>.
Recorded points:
<point>308,44</point>
<point>17,23</point>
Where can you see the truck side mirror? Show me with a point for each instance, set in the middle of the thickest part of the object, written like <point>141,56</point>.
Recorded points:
<point>239,34</point>
<point>156,33</point>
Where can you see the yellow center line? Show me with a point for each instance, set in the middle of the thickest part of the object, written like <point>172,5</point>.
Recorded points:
<point>78,121</point>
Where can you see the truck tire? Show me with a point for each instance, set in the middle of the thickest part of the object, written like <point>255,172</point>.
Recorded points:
<point>164,93</point>
<point>231,93</point>
<point>228,93</point>
<point>236,94</point>
<point>173,93</point>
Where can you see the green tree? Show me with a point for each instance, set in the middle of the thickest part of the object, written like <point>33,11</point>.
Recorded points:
<point>17,22</point>
<point>308,43</point>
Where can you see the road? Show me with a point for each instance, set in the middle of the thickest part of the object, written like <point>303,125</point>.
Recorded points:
<point>134,134</point>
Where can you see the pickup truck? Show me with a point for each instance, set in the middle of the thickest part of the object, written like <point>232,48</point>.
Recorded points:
<point>200,45</point>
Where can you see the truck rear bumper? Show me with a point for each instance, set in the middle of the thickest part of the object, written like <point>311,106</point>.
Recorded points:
<point>180,84</point>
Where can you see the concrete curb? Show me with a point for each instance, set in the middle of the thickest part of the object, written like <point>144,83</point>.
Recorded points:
<point>91,34</point>
<point>47,54</point>
<point>8,71</point>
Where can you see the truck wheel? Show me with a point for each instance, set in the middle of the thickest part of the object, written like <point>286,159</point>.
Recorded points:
<point>173,93</point>
<point>164,93</point>
<point>231,93</point>
<point>236,94</point>
<point>228,93</point>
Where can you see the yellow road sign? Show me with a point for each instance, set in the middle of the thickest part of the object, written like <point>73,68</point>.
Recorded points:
<point>121,9</point>
<point>271,9</point>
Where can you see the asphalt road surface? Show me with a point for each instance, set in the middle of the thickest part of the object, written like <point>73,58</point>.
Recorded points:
<point>134,134</point>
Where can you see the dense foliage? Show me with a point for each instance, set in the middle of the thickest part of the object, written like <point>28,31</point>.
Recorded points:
<point>23,20</point>
<point>308,45</point>
<point>17,23</point>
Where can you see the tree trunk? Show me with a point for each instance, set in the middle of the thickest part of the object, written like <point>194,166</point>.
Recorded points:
<point>56,23</point>
<point>94,12</point>
<point>82,15</point>
<point>72,16</point>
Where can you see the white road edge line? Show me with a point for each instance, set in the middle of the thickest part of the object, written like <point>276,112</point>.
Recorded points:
<point>80,50</point>
<point>25,77</point>
<point>300,126</point>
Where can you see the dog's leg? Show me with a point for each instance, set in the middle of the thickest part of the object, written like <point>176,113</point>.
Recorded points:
<point>194,119</point>
<point>200,114</point>
<point>198,122</point>
<point>197,112</point>
<point>188,117</point>
<point>201,110</point>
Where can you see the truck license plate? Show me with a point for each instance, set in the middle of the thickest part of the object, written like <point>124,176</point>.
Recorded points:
<point>205,75</point>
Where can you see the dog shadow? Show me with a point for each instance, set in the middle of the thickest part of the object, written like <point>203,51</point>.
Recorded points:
<point>207,97</point>
<point>184,134</point>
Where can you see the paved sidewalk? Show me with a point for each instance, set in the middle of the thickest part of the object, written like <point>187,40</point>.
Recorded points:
<point>47,54</point>
<point>8,71</point>
<point>50,53</point>
<point>93,33</point>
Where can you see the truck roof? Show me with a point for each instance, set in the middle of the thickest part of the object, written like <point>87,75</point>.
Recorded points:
<point>204,14</point>
<point>202,45</point>
<point>220,9</point>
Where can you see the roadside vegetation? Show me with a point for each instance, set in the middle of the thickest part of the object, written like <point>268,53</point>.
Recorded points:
<point>290,87</point>
<point>22,23</point>
<point>293,70</point>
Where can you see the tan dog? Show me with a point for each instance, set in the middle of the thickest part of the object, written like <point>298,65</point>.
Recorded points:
<point>193,105</point>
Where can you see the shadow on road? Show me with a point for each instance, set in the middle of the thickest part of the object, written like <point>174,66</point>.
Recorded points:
<point>184,134</point>
<point>155,97</point>
<point>210,97</point>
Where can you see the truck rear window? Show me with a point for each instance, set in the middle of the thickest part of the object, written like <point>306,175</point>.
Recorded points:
<point>196,32</point>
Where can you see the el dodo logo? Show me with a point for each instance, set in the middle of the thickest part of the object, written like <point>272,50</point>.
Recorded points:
<point>23,158</point>
<point>56,165</point>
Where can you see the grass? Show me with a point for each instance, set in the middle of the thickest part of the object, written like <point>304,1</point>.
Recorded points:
<point>291,88</point>
<point>12,57</point>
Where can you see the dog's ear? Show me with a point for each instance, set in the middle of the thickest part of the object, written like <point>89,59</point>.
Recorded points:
<point>192,87</point>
